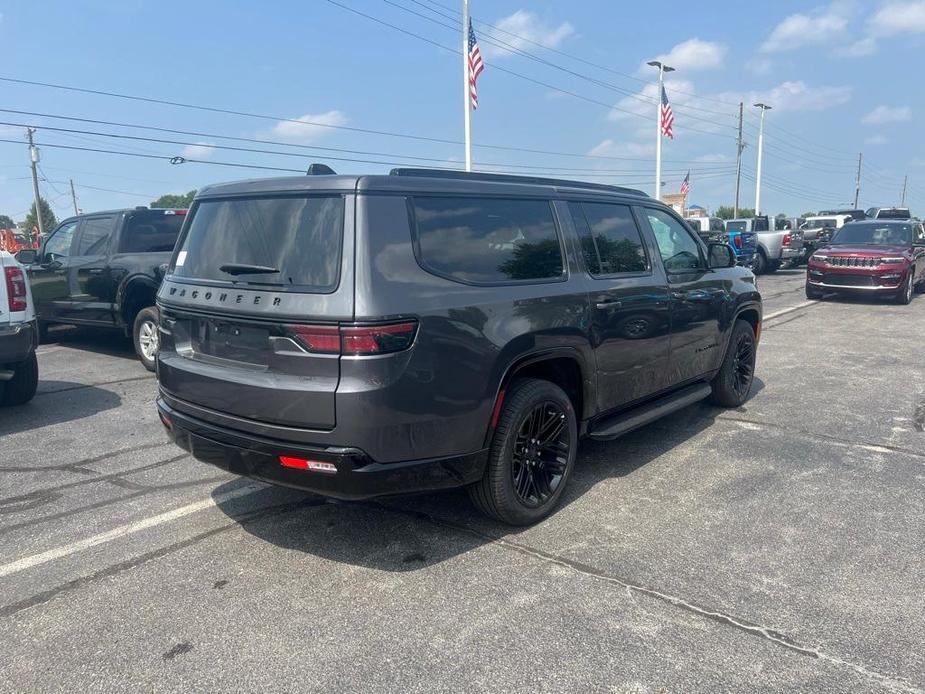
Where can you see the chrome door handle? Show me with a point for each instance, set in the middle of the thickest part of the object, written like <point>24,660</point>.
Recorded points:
<point>604,305</point>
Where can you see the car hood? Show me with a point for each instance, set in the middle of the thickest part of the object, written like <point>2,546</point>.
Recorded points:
<point>865,251</point>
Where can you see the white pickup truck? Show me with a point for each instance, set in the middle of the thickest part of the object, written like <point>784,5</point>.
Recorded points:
<point>19,370</point>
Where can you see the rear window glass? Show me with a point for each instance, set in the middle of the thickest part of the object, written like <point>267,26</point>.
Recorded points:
<point>610,241</point>
<point>736,226</point>
<point>151,232</point>
<point>484,240</point>
<point>275,241</point>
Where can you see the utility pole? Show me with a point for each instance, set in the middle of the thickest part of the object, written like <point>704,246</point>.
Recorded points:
<point>467,71</point>
<point>763,107</point>
<point>740,145</point>
<point>902,202</point>
<point>662,69</point>
<point>34,156</point>
<point>74,197</point>
<point>857,181</point>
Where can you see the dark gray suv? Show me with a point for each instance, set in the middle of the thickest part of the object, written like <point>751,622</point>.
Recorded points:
<point>359,336</point>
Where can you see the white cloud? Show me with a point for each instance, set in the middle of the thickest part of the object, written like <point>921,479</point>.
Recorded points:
<point>887,114</point>
<point>643,102</point>
<point>200,150</point>
<point>611,148</point>
<point>858,49</point>
<point>800,30</point>
<point>759,65</point>
<point>525,30</point>
<point>899,18</point>
<point>876,140</point>
<point>311,128</point>
<point>693,54</point>
<point>795,96</point>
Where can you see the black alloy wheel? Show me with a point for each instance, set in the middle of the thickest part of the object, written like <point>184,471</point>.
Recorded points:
<point>541,454</point>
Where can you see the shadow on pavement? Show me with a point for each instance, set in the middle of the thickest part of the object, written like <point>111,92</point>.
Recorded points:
<point>55,403</point>
<point>410,532</point>
<point>101,341</point>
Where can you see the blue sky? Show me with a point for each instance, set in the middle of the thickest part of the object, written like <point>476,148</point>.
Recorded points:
<point>832,72</point>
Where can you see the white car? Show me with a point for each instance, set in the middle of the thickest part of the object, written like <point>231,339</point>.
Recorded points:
<point>811,226</point>
<point>19,370</point>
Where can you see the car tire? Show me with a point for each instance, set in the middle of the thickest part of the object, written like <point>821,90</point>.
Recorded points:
<point>813,293</point>
<point>733,382</point>
<point>773,266</point>
<point>21,388</point>
<point>43,333</point>
<point>904,295</point>
<point>146,337</point>
<point>532,453</point>
<point>761,263</point>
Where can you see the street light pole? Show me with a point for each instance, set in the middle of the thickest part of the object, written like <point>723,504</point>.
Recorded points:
<point>34,157</point>
<point>763,107</point>
<point>662,69</point>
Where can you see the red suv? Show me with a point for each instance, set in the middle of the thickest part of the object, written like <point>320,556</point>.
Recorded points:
<point>876,256</point>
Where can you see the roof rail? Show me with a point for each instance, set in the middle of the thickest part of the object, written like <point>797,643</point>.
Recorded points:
<point>511,178</point>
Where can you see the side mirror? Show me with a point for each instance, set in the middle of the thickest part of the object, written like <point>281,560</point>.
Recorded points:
<point>720,255</point>
<point>27,256</point>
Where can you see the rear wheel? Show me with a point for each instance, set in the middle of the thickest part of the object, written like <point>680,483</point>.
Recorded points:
<point>532,454</point>
<point>146,336</point>
<point>761,263</point>
<point>21,388</point>
<point>733,383</point>
<point>773,266</point>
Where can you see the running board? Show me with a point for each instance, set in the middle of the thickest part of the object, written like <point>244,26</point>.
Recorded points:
<point>617,425</point>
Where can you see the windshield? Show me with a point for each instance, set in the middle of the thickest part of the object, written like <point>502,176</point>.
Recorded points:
<point>869,233</point>
<point>736,226</point>
<point>894,213</point>
<point>276,241</point>
<point>819,223</point>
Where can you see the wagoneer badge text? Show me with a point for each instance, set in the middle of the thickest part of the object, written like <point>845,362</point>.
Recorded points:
<point>221,297</point>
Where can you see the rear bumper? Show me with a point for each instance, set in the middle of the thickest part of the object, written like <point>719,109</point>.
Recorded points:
<point>17,342</point>
<point>788,253</point>
<point>358,476</point>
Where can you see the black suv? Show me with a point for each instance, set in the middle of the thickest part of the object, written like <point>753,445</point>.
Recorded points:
<point>103,270</point>
<point>367,335</point>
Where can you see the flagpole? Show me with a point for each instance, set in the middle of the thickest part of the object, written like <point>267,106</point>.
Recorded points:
<point>467,110</point>
<point>658,134</point>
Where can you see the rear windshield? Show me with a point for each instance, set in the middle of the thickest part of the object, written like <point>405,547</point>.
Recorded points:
<point>271,241</point>
<point>896,213</point>
<point>736,226</point>
<point>820,223</point>
<point>151,231</point>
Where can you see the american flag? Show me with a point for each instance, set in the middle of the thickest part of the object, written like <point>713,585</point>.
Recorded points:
<point>686,184</point>
<point>476,67</point>
<point>667,115</point>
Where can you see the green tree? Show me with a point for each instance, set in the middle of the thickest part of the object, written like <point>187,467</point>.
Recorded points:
<point>49,221</point>
<point>728,212</point>
<point>6,222</point>
<point>171,200</point>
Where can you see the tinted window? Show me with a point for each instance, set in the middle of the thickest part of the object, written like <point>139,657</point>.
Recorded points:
<point>94,236</point>
<point>894,213</point>
<point>287,241</point>
<point>716,224</point>
<point>919,233</point>
<point>736,226</point>
<point>59,243</point>
<point>486,240</point>
<point>610,241</point>
<point>875,234</point>
<point>151,232</point>
<point>679,251</point>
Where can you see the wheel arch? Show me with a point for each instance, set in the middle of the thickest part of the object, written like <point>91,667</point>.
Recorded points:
<point>135,294</point>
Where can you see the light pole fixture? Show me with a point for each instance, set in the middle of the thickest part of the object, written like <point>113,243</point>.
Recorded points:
<point>763,107</point>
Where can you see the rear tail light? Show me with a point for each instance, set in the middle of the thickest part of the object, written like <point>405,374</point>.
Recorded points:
<point>304,464</point>
<point>355,339</point>
<point>737,240</point>
<point>16,288</point>
<point>787,239</point>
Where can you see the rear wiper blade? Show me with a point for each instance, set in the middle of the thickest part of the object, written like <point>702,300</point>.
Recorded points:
<point>244,269</point>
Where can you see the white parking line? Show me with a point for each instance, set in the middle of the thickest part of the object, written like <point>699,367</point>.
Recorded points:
<point>123,530</point>
<point>785,311</point>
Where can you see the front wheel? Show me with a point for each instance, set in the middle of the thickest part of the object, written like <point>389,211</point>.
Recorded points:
<point>532,454</point>
<point>812,292</point>
<point>733,383</point>
<point>904,295</point>
<point>146,336</point>
<point>21,388</point>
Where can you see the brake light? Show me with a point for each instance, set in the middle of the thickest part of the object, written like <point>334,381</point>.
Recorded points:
<point>787,239</point>
<point>303,464</point>
<point>737,240</point>
<point>16,288</point>
<point>355,340</point>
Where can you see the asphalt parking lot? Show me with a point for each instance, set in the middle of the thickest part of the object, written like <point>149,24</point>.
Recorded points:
<point>777,547</point>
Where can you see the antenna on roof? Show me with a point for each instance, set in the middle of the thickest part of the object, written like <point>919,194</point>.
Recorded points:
<point>320,170</point>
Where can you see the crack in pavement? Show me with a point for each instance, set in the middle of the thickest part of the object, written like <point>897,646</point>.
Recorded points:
<point>80,465</point>
<point>81,386</point>
<point>778,638</point>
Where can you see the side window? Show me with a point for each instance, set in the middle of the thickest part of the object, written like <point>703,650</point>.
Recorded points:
<point>487,240</point>
<point>94,236</point>
<point>610,241</point>
<point>59,243</point>
<point>716,224</point>
<point>679,251</point>
<point>150,232</point>
<point>919,233</point>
